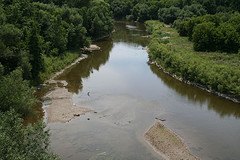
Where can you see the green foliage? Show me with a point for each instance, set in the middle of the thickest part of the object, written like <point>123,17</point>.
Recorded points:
<point>53,64</point>
<point>154,28</point>
<point>153,9</point>
<point>30,30</point>
<point>35,50</point>
<point>140,12</point>
<point>19,142</point>
<point>189,12</point>
<point>182,28</point>
<point>210,6</point>
<point>215,72</point>
<point>9,40</point>
<point>190,24</point>
<point>16,93</point>
<point>119,8</point>
<point>230,38</point>
<point>209,33</point>
<point>34,39</point>
<point>170,11</point>
<point>98,19</point>
<point>203,37</point>
<point>168,15</point>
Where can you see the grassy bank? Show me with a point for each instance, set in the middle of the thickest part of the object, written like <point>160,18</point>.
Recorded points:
<point>215,71</point>
<point>55,64</point>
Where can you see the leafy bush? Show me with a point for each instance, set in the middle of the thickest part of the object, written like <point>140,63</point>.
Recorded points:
<point>195,21</point>
<point>168,15</point>
<point>189,12</point>
<point>16,93</point>
<point>209,33</point>
<point>119,8</point>
<point>98,19</point>
<point>140,12</point>
<point>205,37</point>
<point>19,142</point>
<point>230,38</point>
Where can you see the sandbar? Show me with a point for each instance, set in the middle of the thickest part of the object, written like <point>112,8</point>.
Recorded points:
<point>167,143</point>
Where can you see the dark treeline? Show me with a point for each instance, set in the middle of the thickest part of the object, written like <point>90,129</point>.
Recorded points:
<point>169,10</point>
<point>32,34</point>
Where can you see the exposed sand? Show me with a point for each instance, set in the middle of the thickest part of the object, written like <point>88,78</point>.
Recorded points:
<point>166,37</point>
<point>167,143</point>
<point>92,47</point>
<point>62,108</point>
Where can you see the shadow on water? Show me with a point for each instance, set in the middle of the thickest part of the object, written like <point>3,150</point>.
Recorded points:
<point>130,32</point>
<point>74,75</point>
<point>220,105</point>
<point>124,32</point>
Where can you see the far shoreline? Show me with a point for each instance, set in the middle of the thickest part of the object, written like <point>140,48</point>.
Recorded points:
<point>197,85</point>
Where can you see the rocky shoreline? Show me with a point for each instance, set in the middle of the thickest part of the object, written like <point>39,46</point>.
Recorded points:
<point>226,96</point>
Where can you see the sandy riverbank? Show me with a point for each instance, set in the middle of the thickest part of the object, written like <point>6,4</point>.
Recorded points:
<point>62,108</point>
<point>167,143</point>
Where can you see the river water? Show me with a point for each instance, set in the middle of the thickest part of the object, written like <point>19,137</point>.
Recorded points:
<point>125,94</point>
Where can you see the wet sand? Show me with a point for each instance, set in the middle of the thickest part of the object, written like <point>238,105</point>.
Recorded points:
<point>62,108</point>
<point>167,143</point>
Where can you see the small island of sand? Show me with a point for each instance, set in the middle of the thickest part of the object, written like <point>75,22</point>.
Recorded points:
<point>167,143</point>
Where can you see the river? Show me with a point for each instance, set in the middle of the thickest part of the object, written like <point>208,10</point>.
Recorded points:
<point>125,94</point>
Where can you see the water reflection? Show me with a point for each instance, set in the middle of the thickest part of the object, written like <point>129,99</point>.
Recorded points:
<point>222,107</point>
<point>130,32</point>
<point>73,76</point>
<point>126,95</point>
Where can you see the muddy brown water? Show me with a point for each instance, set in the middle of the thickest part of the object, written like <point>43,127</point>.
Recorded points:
<point>125,94</point>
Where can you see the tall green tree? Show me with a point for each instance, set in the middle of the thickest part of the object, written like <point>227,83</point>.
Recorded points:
<point>10,37</point>
<point>119,8</point>
<point>35,50</point>
<point>98,20</point>
<point>204,36</point>
<point>168,15</point>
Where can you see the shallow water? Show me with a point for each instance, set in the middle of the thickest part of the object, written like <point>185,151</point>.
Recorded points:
<point>126,94</point>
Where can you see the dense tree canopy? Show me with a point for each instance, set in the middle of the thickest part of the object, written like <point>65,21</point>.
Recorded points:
<point>30,30</point>
<point>32,34</point>
<point>19,142</point>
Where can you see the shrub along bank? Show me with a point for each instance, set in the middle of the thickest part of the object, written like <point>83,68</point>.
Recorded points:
<point>218,72</point>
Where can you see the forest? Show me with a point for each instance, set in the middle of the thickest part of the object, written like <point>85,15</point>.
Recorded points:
<point>40,37</point>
